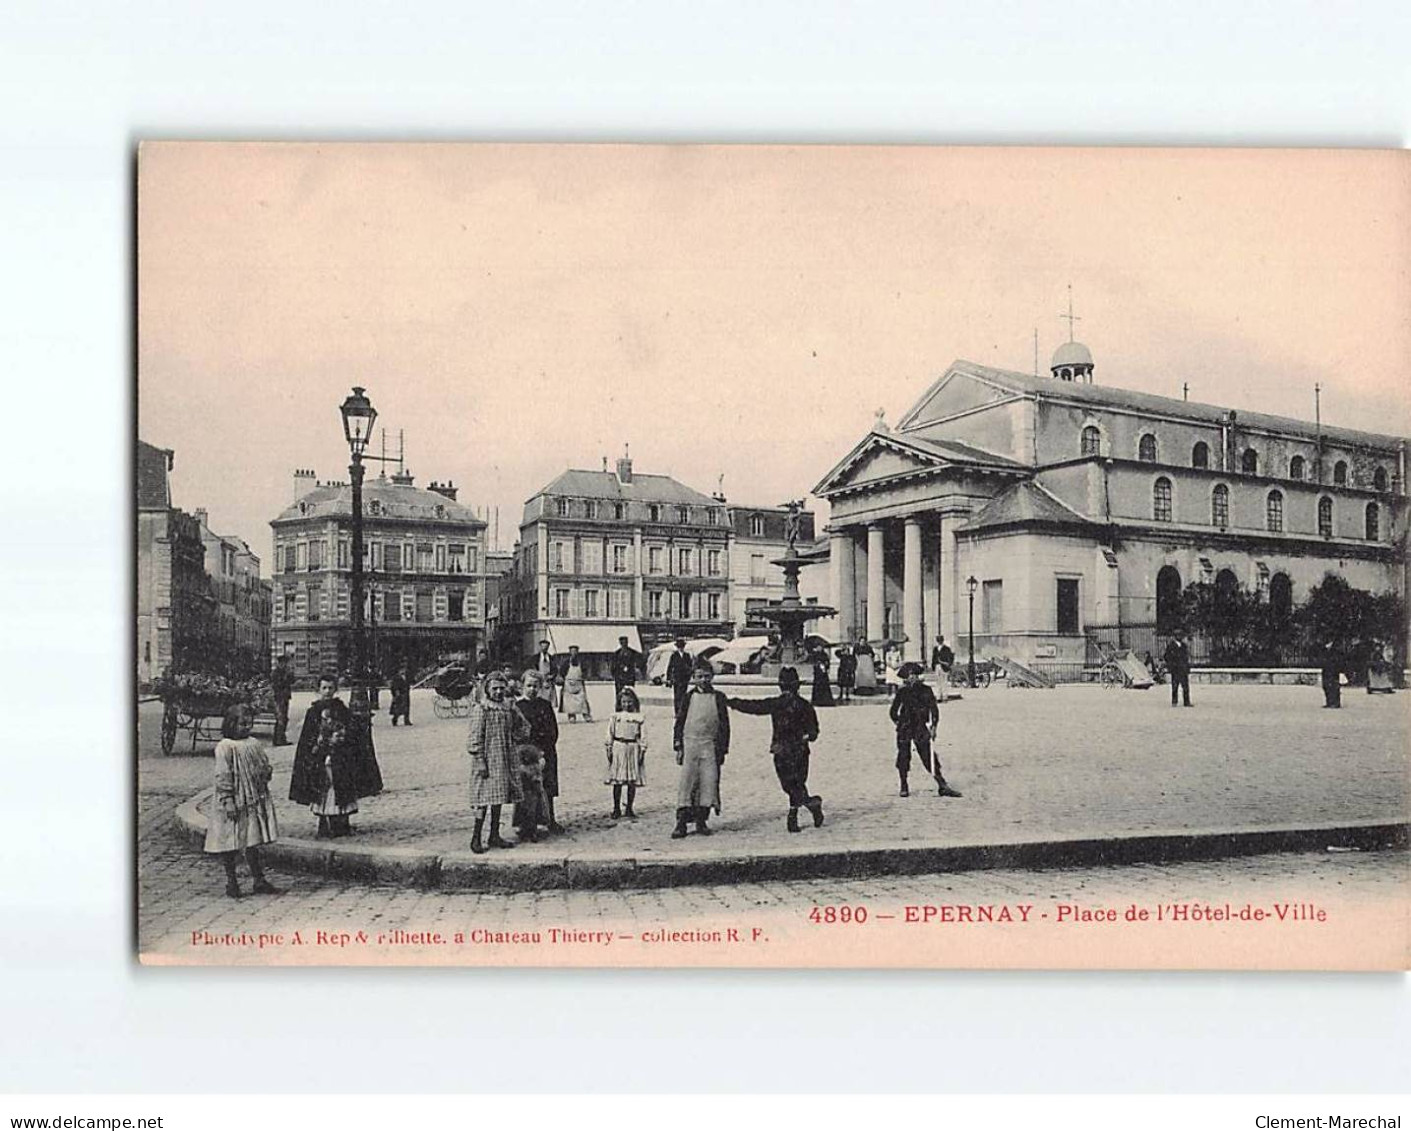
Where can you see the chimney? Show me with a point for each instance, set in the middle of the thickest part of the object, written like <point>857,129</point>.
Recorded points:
<point>304,482</point>
<point>402,478</point>
<point>201,517</point>
<point>624,466</point>
<point>448,489</point>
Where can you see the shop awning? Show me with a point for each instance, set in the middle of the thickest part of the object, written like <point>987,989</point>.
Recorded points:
<point>590,638</point>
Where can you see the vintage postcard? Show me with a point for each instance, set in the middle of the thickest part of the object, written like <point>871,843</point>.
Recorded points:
<point>809,556</point>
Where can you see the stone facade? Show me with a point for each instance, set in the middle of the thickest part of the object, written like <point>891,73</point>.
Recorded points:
<point>1065,500</point>
<point>424,571</point>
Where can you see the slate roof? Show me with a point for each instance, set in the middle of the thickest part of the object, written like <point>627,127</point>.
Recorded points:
<point>153,488</point>
<point>643,488</point>
<point>1026,502</point>
<point>1111,395</point>
<point>396,500</point>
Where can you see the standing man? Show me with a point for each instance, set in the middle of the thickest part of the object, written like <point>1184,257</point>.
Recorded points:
<point>624,668</point>
<point>401,689</point>
<point>915,714</point>
<point>1330,668</point>
<point>942,660</point>
<point>1177,658</point>
<point>544,664</point>
<point>281,684</point>
<point>701,740</point>
<point>678,675</point>
<point>795,725</point>
<point>847,674</point>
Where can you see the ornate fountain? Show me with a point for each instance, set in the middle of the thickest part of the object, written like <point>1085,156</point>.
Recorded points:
<point>790,614</point>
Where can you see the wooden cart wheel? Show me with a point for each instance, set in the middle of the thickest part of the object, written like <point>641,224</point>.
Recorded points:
<point>168,727</point>
<point>442,708</point>
<point>1112,676</point>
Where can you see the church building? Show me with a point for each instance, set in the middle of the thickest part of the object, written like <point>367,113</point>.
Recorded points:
<point>1057,508</point>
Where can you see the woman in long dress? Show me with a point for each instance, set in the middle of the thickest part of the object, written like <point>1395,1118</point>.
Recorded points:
<point>242,812</point>
<point>822,690</point>
<point>575,689</point>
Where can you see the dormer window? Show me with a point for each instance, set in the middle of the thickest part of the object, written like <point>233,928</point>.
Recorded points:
<point>1146,448</point>
<point>683,514</point>
<point>561,508</point>
<point>757,525</point>
<point>374,506</point>
<point>590,509</point>
<point>653,513</point>
<point>619,511</point>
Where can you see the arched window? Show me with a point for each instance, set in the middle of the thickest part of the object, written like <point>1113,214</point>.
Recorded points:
<point>1379,479</point>
<point>1146,448</point>
<point>1092,441</point>
<point>1161,500</point>
<point>1274,511</point>
<point>1227,589</point>
<point>1200,454</point>
<point>1220,506</point>
<point>1340,473</point>
<point>1296,467</point>
<point>1249,462</point>
<point>1168,598</point>
<point>1281,596</point>
<point>1325,517</point>
<point>1373,522</point>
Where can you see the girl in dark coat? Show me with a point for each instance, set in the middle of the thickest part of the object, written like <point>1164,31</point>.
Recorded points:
<point>332,769</point>
<point>538,712</point>
<point>822,690</point>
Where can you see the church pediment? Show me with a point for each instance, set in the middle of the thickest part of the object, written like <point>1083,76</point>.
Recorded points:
<point>955,394</point>
<point>878,459</point>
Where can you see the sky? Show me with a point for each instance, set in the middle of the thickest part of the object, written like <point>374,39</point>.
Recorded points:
<point>727,311</point>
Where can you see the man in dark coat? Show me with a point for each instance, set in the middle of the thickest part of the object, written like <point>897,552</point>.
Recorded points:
<point>915,713</point>
<point>678,675</point>
<point>624,667</point>
<point>281,684</point>
<point>335,764</point>
<point>1330,668</point>
<point>942,660</point>
<point>401,707</point>
<point>1177,658</point>
<point>795,725</point>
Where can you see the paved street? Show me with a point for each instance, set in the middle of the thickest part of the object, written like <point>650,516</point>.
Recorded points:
<point>1032,764</point>
<point>1026,760</point>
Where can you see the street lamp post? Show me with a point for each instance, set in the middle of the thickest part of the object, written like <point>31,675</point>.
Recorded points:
<point>358,419</point>
<point>971,585</point>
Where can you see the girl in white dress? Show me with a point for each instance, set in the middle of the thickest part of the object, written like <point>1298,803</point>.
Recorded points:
<point>242,812</point>
<point>626,751</point>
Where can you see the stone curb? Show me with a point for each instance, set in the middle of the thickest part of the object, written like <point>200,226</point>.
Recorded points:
<point>463,871</point>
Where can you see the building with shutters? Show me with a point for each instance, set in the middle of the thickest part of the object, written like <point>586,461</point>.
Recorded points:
<point>1083,510</point>
<point>424,562</point>
<point>757,539</point>
<point>613,553</point>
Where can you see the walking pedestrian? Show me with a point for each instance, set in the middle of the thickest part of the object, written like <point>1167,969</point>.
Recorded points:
<point>496,729</point>
<point>847,674</point>
<point>626,752</point>
<point>701,739</point>
<point>942,661</point>
<point>915,713</point>
<point>1177,658</point>
<point>334,764</point>
<point>1330,669</point>
<point>281,685</point>
<point>624,667</point>
<point>575,688</point>
<point>678,675</point>
<point>401,690</point>
<point>794,725</point>
<point>242,813</point>
<point>543,736</point>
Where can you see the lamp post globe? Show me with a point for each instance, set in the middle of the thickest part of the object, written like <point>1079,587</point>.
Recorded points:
<point>358,418</point>
<point>971,585</point>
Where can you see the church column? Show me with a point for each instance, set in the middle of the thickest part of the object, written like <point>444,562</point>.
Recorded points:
<point>948,579</point>
<point>911,591</point>
<point>840,561</point>
<point>876,594</point>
